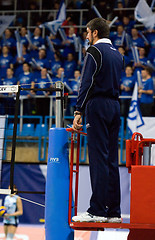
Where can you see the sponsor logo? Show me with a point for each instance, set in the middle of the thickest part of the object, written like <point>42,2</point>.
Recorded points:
<point>54,160</point>
<point>2,89</point>
<point>13,89</point>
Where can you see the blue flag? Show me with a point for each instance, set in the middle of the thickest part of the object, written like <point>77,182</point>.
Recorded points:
<point>53,26</point>
<point>61,15</point>
<point>134,120</point>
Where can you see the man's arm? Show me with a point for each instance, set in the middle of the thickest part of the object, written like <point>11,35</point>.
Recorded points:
<point>89,70</point>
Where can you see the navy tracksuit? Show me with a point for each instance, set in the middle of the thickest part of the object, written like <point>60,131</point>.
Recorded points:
<point>98,96</point>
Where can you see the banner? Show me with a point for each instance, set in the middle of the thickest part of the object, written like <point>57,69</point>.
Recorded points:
<point>8,89</point>
<point>135,120</point>
<point>148,131</point>
<point>143,13</point>
<point>5,21</point>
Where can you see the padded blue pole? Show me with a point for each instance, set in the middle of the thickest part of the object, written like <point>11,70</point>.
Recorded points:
<point>57,187</point>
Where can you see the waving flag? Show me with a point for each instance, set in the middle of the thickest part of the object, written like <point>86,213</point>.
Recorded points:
<point>53,26</point>
<point>61,15</point>
<point>134,119</point>
<point>5,21</point>
<point>144,14</point>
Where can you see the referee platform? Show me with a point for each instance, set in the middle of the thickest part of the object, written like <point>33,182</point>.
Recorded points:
<point>142,209</point>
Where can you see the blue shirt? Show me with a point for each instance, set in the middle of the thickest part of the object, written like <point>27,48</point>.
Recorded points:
<point>10,42</point>
<point>151,38</point>
<point>43,63</point>
<point>42,83</point>
<point>55,65</point>
<point>100,78</point>
<point>69,68</point>
<point>24,40</point>
<point>147,85</point>
<point>38,42</point>
<point>117,40</point>
<point>4,64</point>
<point>139,42</point>
<point>25,82</point>
<point>74,84</point>
<point>127,82</point>
<point>10,81</point>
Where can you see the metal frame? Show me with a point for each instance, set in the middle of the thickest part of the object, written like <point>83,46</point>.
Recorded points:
<point>95,226</point>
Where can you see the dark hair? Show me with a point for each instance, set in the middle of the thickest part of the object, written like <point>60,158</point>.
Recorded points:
<point>101,26</point>
<point>149,70</point>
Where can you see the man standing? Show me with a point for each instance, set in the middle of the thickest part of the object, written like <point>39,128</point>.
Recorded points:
<point>98,96</point>
<point>146,92</point>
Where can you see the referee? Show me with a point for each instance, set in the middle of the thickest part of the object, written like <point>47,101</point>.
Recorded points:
<point>98,97</point>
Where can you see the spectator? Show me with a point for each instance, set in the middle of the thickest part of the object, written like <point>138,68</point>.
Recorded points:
<point>9,100</point>
<point>40,62</point>
<point>35,15</point>
<point>42,104</point>
<point>6,61</point>
<point>56,63</point>
<point>136,40</point>
<point>69,43</point>
<point>120,13</point>
<point>37,42</point>
<point>69,66</point>
<point>19,61</point>
<point>128,24</point>
<point>84,40</point>
<point>126,87</point>
<point>75,85</point>
<point>10,79</point>
<point>70,23</point>
<point>23,33</point>
<point>55,41</point>
<point>122,51</point>
<point>150,35</point>
<point>118,38</point>
<point>8,41</point>
<point>26,80</point>
<point>56,44</point>
<point>146,93</point>
<point>142,61</point>
<point>60,76</point>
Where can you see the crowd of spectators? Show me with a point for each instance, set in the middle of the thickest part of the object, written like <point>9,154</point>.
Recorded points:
<point>45,60</point>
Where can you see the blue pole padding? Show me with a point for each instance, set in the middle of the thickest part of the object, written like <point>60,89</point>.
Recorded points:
<point>57,187</point>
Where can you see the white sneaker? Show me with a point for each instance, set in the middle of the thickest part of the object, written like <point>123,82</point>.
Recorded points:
<point>87,217</point>
<point>114,220</point>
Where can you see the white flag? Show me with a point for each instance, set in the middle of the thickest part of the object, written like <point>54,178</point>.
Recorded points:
<point>5,21</point>
<point>61,15</point>
<point>144,14</point>
<point>53,26</point>
<point>134,119</point>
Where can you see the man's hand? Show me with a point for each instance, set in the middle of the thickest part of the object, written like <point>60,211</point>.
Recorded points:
<point>77,122</point>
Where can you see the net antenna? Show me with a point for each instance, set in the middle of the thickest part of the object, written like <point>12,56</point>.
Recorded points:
<point>12,89</point>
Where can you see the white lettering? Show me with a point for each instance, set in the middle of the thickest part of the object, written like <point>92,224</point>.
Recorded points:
<point>54,160</point>
<point>2,89</point>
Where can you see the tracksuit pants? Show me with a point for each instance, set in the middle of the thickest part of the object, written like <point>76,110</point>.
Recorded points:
<point>103,122</point>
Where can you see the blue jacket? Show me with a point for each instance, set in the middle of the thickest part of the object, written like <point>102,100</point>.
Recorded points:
<point>101,73</point>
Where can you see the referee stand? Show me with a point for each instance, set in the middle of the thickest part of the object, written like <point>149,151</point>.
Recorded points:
<point>142,209</point>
